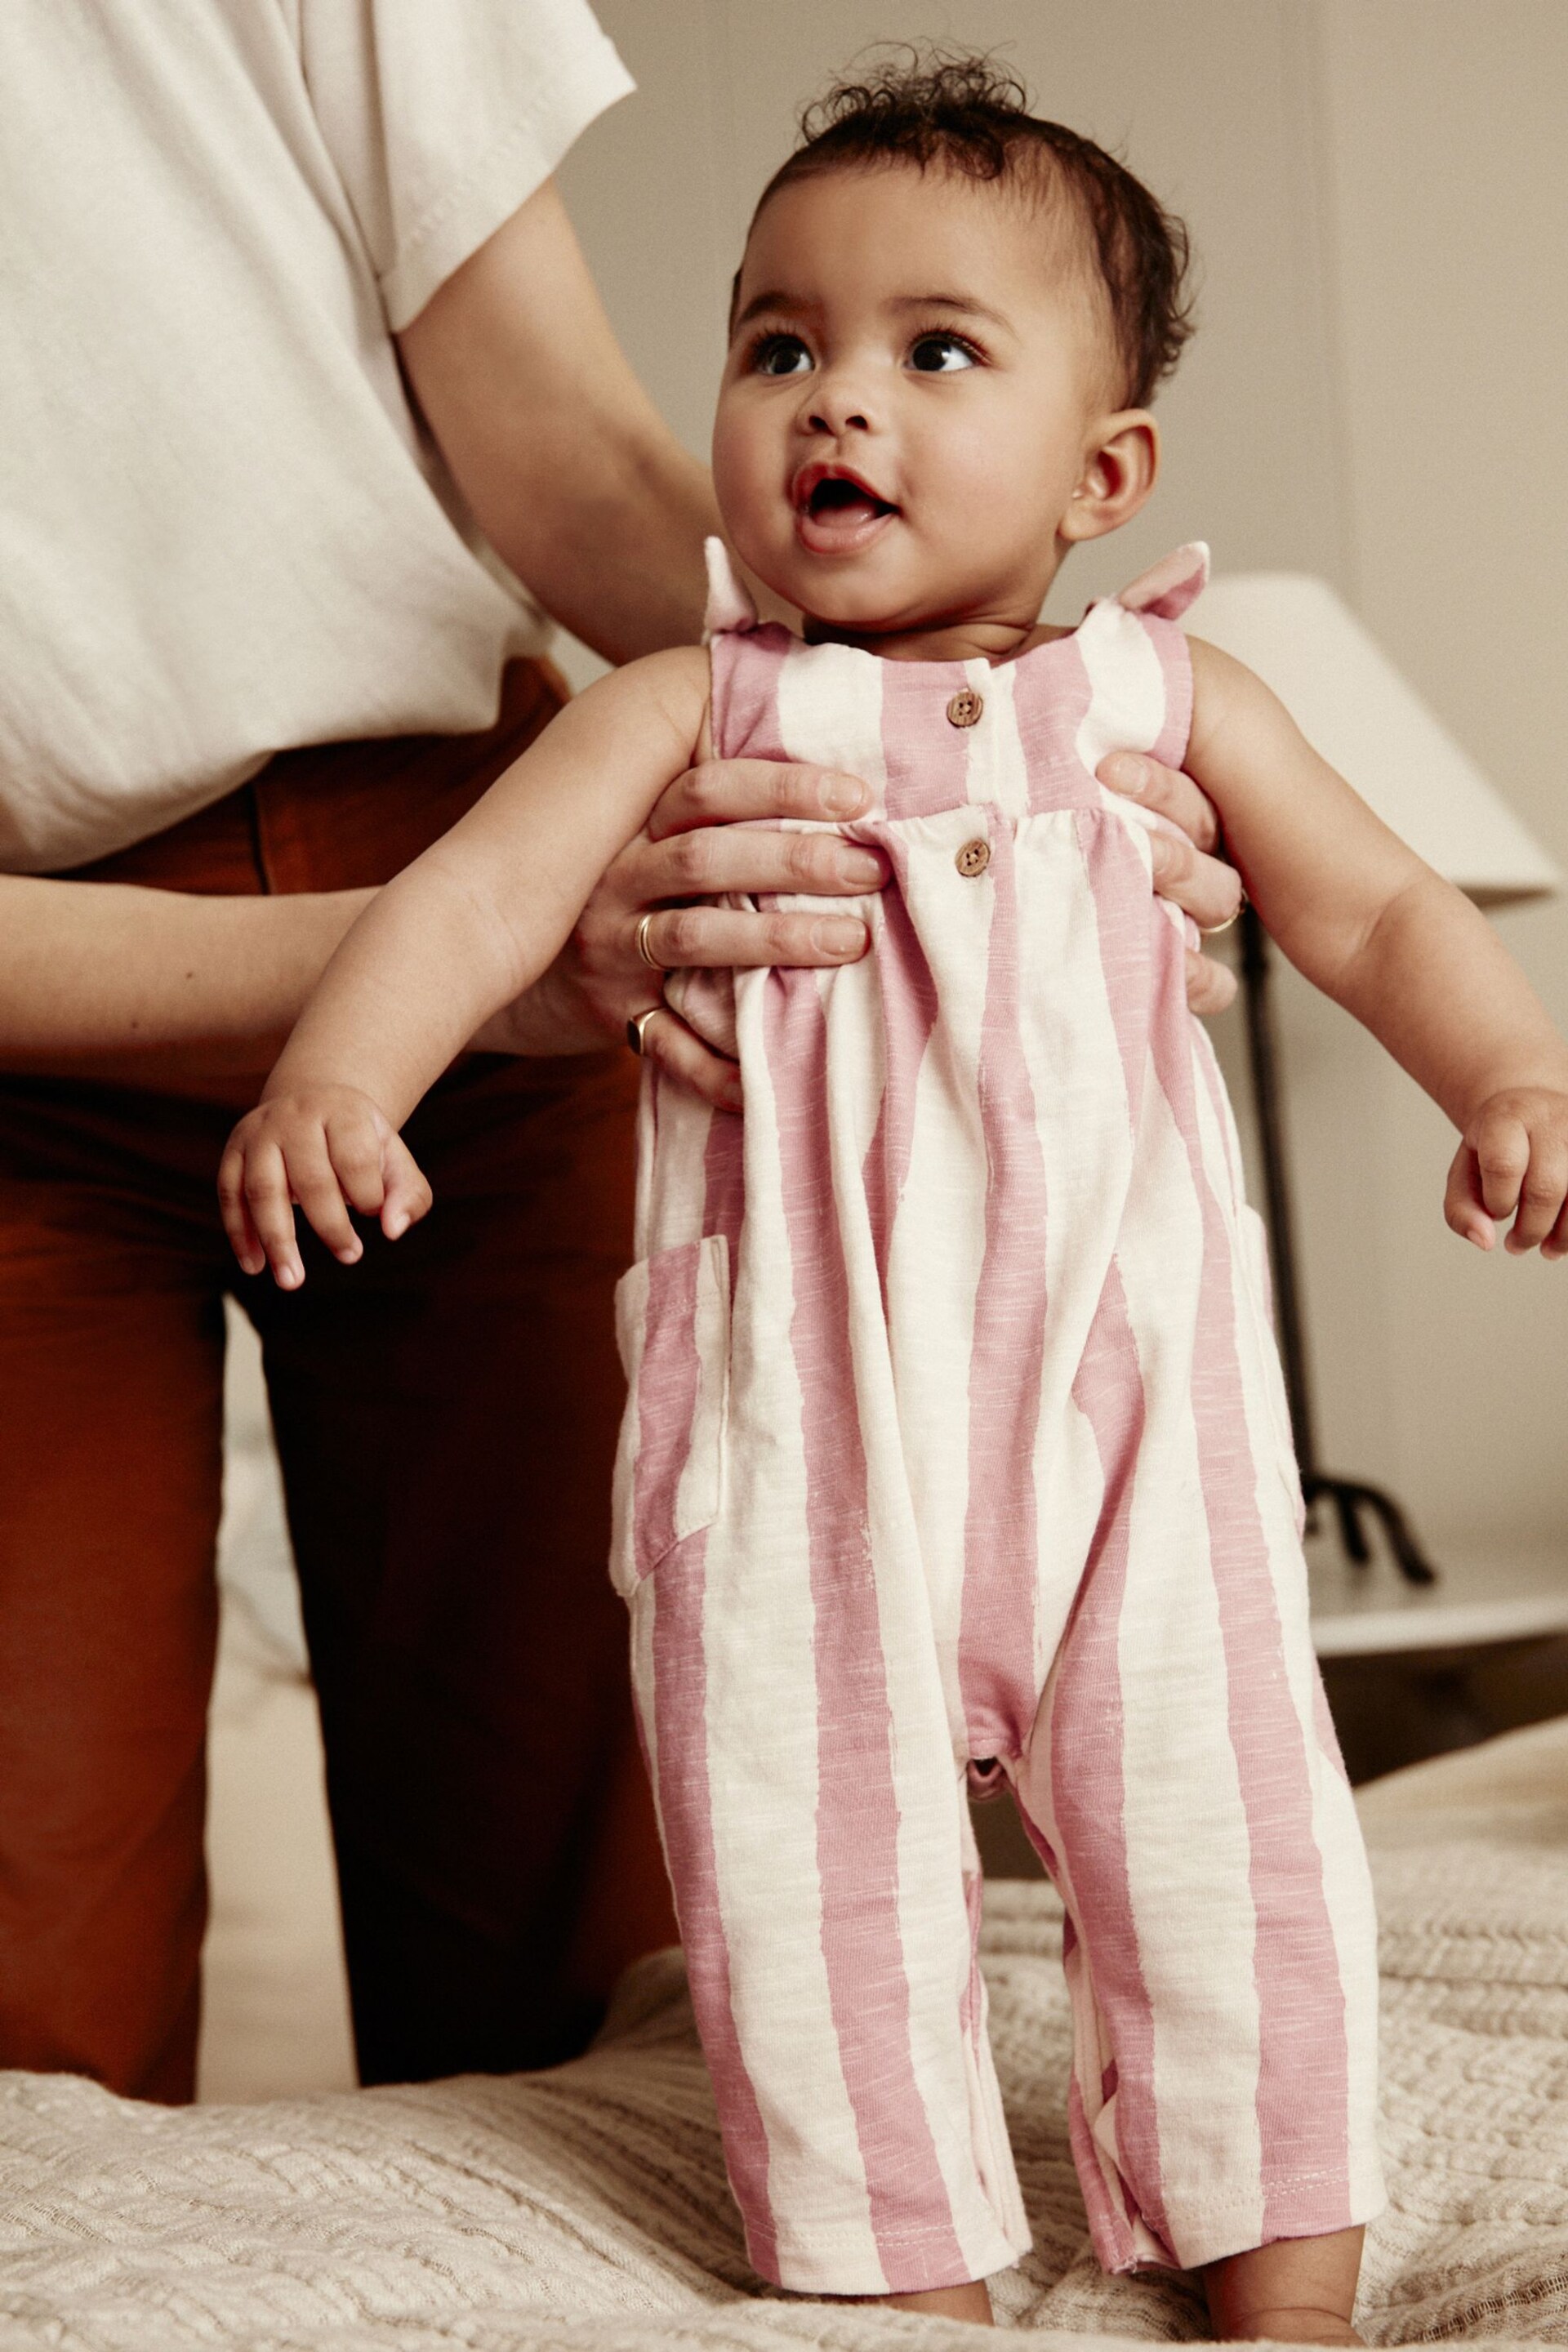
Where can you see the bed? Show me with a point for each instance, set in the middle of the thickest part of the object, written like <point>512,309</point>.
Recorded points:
<point>587,2209</point>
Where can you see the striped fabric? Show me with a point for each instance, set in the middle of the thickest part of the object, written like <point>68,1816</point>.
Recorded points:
<point>956,1432</point>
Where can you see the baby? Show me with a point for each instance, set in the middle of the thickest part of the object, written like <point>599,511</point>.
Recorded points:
<point>956,1447</point>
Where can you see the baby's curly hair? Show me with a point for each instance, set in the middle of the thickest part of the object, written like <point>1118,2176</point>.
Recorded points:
<point>967,114</point>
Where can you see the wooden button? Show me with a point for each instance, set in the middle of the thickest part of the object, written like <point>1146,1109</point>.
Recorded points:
<point>965,707</point>
<point>973,858</point>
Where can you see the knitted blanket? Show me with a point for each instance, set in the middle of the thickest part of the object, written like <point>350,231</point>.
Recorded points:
<point>585,2211</point>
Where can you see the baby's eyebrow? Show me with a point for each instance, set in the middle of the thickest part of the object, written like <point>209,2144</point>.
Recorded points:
<point>774,299</point>
<point>779,300</point>
<point>963,302</point>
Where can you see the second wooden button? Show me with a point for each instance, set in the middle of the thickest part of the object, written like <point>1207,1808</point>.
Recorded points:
<point>965,707</point>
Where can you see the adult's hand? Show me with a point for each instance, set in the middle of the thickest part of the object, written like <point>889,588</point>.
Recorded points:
<point>698,845</point>
<point>1186,870</point>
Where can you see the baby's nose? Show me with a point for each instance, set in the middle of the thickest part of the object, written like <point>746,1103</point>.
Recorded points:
<point>826,420</point>
<point>837,405</point>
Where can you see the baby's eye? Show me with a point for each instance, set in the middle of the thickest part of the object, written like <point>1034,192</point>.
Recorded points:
<point>781,355</point>
<point>943,354</point>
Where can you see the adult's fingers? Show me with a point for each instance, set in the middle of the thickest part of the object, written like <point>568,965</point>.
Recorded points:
<point>601,972</point>
<point>679,1051</point>
<point>681,936</point>
<point>1154,786</point>
<point>717,859</point>
<point>726,791</point>
<point>1205,887</point>
<point>1210,986</point>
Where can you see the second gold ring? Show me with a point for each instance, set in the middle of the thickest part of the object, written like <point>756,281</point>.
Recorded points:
<point>1213,929</point>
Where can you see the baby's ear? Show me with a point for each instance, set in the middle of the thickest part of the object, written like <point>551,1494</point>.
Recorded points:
<point>1121,466</point>
<point>1168,587</point>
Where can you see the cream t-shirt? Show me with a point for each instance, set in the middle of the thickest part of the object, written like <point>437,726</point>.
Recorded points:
<point>222,533</point>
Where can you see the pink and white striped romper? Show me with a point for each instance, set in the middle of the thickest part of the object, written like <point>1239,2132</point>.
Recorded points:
<point>956,1431</point>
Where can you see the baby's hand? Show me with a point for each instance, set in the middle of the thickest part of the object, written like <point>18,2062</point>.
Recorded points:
<point>1514,1155</point>
<point>330,1149</point>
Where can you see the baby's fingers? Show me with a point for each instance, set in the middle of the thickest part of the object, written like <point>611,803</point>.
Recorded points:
<point>269,1206</point>
<point>314,1182</point>
<point>377,1171</point>
<point>1514,1159</point>
<point>1462,1203</point>
<point>1541,1195</point>
<point>1500,1142</point>
<point>406,1195</point>
<point>235,1211</point>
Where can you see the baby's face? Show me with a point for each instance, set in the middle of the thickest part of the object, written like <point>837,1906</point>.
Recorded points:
<point>913,382</point>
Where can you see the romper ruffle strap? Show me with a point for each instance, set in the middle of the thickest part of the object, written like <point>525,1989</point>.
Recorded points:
<point>730,606</point>
<point>1168,587</point>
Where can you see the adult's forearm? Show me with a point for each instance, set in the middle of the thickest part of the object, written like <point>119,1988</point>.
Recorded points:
<point>92,972</point>
<point>570,470</point>
<point>602,511</point>
<point>626,561</point>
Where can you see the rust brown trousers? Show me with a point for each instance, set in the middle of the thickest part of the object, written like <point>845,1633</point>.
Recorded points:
<point>446,1415</point>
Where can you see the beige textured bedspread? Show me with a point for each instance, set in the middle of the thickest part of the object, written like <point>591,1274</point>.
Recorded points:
<point>587,2209</point>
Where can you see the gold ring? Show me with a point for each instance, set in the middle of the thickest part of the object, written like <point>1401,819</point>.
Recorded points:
<point>644,950</point>
<point>637,1027</point>
<point>1215,930</point>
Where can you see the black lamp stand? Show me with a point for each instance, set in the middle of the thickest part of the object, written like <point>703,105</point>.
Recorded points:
<point>1353,1501</point>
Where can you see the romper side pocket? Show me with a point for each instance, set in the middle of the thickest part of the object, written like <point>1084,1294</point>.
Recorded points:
<point>672,1327</point>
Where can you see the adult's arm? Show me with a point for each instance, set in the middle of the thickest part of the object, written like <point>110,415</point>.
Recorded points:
<point>150,986</point>
<point>105,976</point>
<point>157,987</point>
<point>566,465</point>
<point>183,993</point>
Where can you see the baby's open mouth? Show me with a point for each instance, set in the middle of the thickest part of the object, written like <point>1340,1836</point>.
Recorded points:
<point>841,494</point>
<point>835,511</point>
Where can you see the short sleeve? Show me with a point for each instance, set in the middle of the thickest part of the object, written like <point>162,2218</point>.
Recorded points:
<point>443,116</point>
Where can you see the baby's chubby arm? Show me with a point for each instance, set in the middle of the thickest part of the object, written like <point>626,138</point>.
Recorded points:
<point>458,934</point>
<point>1375,928</point>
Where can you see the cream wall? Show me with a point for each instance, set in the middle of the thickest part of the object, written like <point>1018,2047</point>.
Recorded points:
<point>1447,178</point>
<point>1378,193</point>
